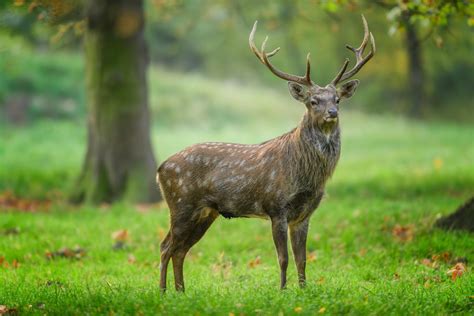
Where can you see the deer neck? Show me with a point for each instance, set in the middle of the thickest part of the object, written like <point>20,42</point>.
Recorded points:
<point>316,152</point>
<point>314,137</point>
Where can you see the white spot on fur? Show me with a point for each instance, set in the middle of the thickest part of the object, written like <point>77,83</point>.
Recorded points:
<point>177,169</point>
<point>168,182</point>
<point>180,181</point>
<point>272,175</point>
<point>188,173</point>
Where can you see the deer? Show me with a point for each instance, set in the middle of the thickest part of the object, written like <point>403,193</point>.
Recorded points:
<point>282,179</point>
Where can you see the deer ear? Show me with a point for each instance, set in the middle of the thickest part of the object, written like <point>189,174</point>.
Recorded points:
<point>347,89</point>
<point>297,91</point>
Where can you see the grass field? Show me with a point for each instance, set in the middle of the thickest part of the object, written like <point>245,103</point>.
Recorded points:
<point>372,247</point>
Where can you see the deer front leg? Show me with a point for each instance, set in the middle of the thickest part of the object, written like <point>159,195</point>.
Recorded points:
<point>298,234</point>
<point>280,238</point>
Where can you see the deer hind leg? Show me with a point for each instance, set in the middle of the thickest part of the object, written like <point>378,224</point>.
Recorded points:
<point>166,252</point>
<point>199,228</point>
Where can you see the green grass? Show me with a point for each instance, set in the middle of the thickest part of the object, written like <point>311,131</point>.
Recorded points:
<point>392,171</point>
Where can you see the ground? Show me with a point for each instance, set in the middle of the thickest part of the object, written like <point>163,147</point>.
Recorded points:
<point>372,246</point>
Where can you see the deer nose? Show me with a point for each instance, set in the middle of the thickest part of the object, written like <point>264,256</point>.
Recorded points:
<point>332,112</point>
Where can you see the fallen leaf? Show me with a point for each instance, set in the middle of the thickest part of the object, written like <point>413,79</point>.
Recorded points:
<point>444,257</point>
<point>131,258</point>
<point>311,256</point>
<point>402,233</point>
<point>321,280</point>
<point>298,309</point>
<point>76,253</point>
<point>362,252</point>
<point>427,262</point>
<point>15,264</point>
<point>255,262</point>
<point>457,271</point>
<point>8,202</point>
<point>5,310</point>
<point>120,235</point>
<point>322,310</point>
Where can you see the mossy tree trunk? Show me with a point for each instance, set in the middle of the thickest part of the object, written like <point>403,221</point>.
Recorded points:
<point>119,163</point>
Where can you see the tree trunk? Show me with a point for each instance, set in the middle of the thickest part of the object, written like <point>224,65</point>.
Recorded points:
<point>462,218</point>
<point>119,163</point>
<point>415,69</point>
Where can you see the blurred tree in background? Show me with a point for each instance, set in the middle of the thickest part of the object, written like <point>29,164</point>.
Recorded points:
<point>119,162</point>
<point>423,66</point>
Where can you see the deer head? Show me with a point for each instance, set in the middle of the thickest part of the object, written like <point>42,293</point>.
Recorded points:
<point>322,102</point>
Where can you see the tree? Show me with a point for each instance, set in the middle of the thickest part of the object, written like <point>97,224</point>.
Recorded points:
<point>462,218</point>
<point>119,162</point>
<point>409,17</point>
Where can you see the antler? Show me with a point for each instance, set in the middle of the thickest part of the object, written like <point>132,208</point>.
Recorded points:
<point>360,60</point>
<point>263,57</point>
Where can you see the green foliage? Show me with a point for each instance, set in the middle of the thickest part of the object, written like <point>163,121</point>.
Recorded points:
<point>54,84</point>
<point>215,44</point>
<point>392,171</point>
<point>387,176</point>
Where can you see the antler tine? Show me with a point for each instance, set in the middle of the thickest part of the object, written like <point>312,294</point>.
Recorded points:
<point>308,70</point>
<point>263,57</point>
<point>360,60</point>
<point>340,73</point>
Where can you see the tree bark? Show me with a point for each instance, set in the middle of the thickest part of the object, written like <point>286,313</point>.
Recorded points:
<point>119,162</point>
<point>462,218</point>
<point>415,69</point>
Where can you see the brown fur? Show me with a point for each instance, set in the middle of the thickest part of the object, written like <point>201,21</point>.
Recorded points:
<point>282,179</point>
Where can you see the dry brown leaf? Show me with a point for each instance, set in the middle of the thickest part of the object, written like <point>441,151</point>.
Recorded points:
<point>427,262</point>
<point>8,202</point>
<point>5,310</point>
<point>120,235</point>
<point>403,233</point>
<point>311,256</point>
<point>255,262</point>
<point>75,253</point>
<point>457,271</point>
<point>15,264</point>
<point>131,258</point>
<point>321,280</point>
<point>443,257</point>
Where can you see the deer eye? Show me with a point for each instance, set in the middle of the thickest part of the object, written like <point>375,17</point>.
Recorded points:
<point>314,103</point>
<point>338,100</point>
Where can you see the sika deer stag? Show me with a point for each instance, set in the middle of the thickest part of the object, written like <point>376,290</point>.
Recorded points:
<point>281,179</point>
